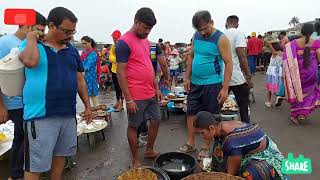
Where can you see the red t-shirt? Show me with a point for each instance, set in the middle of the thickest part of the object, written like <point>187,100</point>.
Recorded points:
<point>140,75</point>
<point>254,46</point>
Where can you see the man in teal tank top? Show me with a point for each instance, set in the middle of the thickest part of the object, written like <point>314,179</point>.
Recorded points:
<point>208,74</point>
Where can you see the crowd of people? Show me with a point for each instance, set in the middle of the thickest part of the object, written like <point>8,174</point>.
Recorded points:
<point>218,62</point>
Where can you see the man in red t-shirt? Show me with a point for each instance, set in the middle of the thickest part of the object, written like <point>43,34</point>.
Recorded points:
<point>253,51</point>
<point>138,83</point>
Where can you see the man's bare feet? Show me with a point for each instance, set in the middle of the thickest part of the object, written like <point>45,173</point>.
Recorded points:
<point>150,154</point>
<point>135,164</point>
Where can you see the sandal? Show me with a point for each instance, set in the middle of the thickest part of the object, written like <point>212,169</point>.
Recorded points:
<point>301,118</point>
<point>203,153</point>
<point>294,121</point>
<point>186,148</point>
<point>279,101</point>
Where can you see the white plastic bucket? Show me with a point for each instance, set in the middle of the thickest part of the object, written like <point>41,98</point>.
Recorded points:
<point>11,74</point>
<point>12,82</point>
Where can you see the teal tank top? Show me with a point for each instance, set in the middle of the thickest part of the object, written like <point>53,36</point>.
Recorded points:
<point>207,65</point>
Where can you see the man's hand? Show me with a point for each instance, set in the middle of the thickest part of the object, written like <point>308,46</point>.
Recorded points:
<point>223,95</point>
<point>132,107</point>
<point>4,116</point>
<point>187,85</point>
<point>273,51</point>
<point>88,115</point>
<point>38,35</point>
<point>159,95</point>
<point>249,82</point>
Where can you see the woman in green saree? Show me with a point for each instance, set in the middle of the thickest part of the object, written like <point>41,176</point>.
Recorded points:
<point>244,148</point>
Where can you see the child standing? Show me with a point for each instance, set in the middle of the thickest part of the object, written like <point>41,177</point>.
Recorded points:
<point>274,71</point>
<point>174,61</point>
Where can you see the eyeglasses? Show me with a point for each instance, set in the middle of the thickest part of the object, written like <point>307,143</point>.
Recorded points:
<point>67,31</point>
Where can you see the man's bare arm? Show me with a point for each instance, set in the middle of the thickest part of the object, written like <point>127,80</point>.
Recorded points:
<point>122,78</point>
<point>30,55</point>
<point>82,90</point>
<point>241,53</point>
<point>225,50</point>
<point>163,66</point>
<point>189,59</point>
<point>83,93</point>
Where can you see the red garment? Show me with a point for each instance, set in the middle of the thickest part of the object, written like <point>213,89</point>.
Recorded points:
<point>139,71</point>
<point>116,34</point>
<point>261,45</point>
<point>83,56</point>
<point>254,46</point>
<point>105,69</point>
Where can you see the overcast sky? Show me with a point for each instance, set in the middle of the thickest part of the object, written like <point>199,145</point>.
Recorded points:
<point>98,18</point>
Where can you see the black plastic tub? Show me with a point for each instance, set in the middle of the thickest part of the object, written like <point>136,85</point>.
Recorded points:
<point>160,173</point>
<point>176,165</point>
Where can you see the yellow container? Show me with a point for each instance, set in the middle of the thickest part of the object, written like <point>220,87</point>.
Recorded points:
<point>3,137</point>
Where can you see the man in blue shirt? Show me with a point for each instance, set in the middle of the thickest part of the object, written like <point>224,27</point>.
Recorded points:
<point>12,107</point>
<point>53,76</point>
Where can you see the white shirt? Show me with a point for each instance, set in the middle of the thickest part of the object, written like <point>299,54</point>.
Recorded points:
<point>236,39</point>
<point>174,62</point>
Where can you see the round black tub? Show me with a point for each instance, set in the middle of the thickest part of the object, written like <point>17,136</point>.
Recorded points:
<point>176,164</point>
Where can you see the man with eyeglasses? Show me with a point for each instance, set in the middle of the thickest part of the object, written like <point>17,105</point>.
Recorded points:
<point>53,79</point>
<point>209,69</point>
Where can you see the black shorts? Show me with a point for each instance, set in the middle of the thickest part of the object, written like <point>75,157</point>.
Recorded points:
<point>203,98</point>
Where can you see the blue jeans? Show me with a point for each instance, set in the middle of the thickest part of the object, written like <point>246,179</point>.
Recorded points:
<point>252,63</point>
